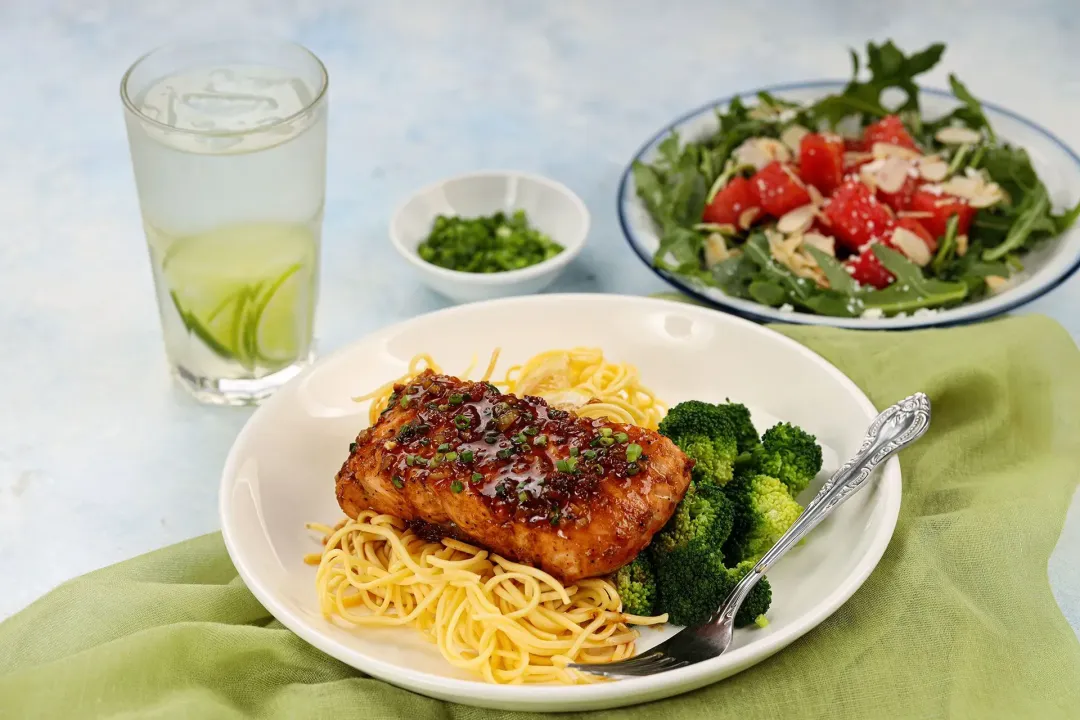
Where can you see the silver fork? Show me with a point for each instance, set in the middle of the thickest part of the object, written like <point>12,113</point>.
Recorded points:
<point>894,429</point>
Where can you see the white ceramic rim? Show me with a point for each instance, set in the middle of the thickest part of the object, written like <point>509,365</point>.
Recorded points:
<point>961,315</point>
<point>571,249</point>
<point>623,692</point>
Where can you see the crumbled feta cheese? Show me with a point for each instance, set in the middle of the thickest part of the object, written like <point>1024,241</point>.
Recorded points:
<point>873,313</point>
<point>925,312</point>
<point>786,308</point>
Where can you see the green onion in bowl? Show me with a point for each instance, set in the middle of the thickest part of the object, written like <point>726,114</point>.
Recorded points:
<point>491,244</point>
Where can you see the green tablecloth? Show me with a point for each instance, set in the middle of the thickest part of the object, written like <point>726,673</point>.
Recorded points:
<point>956,622</point>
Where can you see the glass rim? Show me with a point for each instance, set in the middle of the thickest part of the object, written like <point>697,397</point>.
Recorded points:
<point>324,85</point>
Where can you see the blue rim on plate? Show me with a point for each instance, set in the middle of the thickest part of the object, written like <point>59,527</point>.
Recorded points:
<point>793,318</point>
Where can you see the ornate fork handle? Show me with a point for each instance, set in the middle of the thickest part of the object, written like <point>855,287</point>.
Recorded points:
<point>895,428</point>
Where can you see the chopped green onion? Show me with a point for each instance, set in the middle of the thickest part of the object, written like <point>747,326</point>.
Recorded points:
<point>530,431</point>
<point>451,456</point>
<point>606,432</point>
<point>621,437</point>
<point>567,465</point>
<point>410,460</point>
<point>523,496</point>
<point>477,477</point>
<point>590,454</point>
<point>457,399</point>
<point>398,482</point>
<point>503,454</point>
<point>462,422</point>
<point>633,452</point>
<point>352,447</point>
<point>444,407</point>
<point>467,456</point>
<point>540,440</point>
<point>404,402</point>
<point>491,438</point>
<point>519,439</point>
<point>632,469</point>
<point>456,486</point>
<point>574,452</point>
<point>443,447</point>
<point>607,441</point>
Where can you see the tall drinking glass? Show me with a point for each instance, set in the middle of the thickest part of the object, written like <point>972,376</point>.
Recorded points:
<point>228,142</point>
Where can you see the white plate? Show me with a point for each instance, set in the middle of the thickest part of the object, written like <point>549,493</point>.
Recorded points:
<point>280,473</point>
<point>1044,269</point>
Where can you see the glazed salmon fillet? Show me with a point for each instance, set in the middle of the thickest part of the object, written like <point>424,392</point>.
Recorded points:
<point>576,497</point>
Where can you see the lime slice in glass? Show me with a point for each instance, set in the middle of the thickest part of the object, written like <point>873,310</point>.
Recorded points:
<point>277,324</point>
<point>232,288</point>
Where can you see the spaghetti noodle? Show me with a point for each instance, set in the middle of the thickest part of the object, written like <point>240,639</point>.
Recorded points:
<point>578,379</point>
<point>509,622</point>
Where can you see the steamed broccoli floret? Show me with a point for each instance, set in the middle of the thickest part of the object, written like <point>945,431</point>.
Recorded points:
<point>713,435</point>
<point>704,518</point>
<point>757,602</point>
<point>762,510</point>
<point>789,454</point>
<point>693,583</point>
<point>636,585</point>
<point>746,435</point>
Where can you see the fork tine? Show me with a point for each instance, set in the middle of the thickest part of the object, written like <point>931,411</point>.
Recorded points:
<point>649,668</point>
<point>646,664</point>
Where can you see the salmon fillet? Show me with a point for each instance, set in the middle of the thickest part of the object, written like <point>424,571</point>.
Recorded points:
<point>575,497</point>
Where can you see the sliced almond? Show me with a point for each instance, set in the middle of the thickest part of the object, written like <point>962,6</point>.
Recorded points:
<point>892,174</point>
<point>933,170</point>
<point>996,283</point>
<point>911,245</point>
<point>793,175</point>
<point>716,249</point>
<point>816,198</point>
<point>991,194</point>
<point>957,136</point>
<point>792,137</point>
<point>916,214</point>
<point>889,150</point>
<point>854,158</point>
<point>961,245</point>
<point>824,243</point>
<point>759,152</point>
<point>797,221</point>
<point>747,217</point>
<point>963,186</point>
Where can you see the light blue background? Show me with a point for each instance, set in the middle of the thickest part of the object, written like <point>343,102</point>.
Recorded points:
<point>102,458</point>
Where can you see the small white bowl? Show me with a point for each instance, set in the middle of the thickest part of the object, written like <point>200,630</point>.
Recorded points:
<point>551,207</point>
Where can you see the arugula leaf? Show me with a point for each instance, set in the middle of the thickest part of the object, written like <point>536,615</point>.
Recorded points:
<point>797,288</point>
<point>911,290</point>
<point>1030,212</point>
<point>889,68</point>
<point>1010,167</point>
<point>767,292</point>
<point>1065,221</point>
<point>947,248</point>
<point>835,273</point>
<point>971,113</point>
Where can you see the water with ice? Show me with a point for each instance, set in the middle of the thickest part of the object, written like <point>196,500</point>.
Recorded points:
<point>235,99</point>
